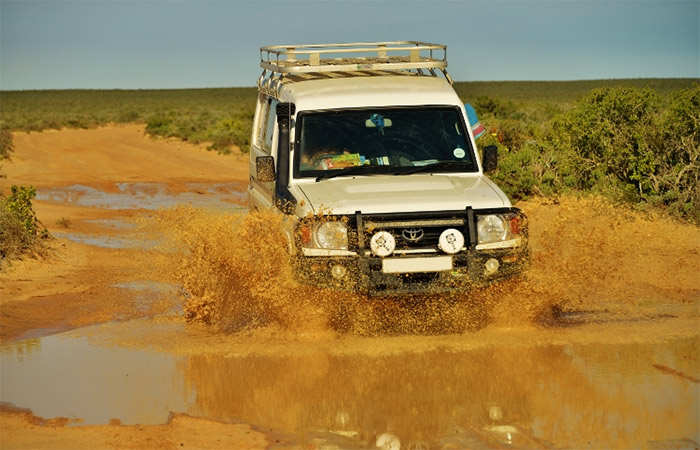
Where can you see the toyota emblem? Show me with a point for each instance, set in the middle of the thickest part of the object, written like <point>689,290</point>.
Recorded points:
<point>412,234</point>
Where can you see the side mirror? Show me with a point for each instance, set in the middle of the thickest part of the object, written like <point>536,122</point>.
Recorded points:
<point>477,128</point>
<point>489,161</point>
<point>265,168</point>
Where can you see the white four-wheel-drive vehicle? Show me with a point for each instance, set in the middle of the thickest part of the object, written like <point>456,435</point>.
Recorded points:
<point>369,152</point>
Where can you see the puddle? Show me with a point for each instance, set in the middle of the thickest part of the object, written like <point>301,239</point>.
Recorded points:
<point>150,196</point>
<point>145,293</point>
<point>593,396</point>
<point>617,313</point>
<point>114,224</point>
<point>70,378</point>
<point>112,242</point>
<point>148,285</point>
<point>585,382</point>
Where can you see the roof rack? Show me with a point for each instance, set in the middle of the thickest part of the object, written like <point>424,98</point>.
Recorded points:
<point>398,55</point>
<point>369,58</point>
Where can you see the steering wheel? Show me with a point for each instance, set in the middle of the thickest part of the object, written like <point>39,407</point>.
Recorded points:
<point>413,145</point>
<point>378,148</point>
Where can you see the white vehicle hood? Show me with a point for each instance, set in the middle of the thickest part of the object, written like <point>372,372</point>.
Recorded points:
<point>396,193</point>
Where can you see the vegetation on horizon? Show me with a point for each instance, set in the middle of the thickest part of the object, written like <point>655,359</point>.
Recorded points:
<point>633,140</point>
<point>221,117</point>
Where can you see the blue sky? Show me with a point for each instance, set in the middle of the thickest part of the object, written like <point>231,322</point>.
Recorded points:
<point>201,43</point>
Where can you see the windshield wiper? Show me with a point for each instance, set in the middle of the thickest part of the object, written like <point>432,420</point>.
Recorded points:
<point>339,173</point>
<point>435,167</point>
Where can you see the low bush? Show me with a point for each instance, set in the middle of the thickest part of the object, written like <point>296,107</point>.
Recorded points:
<point>629,144</point>
<point>223,131</point>
<point>21,233</point>
<point>6,146</point>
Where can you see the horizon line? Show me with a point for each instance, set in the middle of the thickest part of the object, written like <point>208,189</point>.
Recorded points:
<point>255,87</point>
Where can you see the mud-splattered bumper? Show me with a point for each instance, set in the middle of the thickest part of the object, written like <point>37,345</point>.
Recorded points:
<point>373,276</point>
<point>417,252</point>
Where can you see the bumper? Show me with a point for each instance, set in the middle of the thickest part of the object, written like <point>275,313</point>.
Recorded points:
<point>377,276</point>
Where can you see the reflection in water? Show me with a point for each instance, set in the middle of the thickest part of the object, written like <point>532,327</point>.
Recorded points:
<point>68,377</point>
<point>595,395</point>
<point>587,398</point>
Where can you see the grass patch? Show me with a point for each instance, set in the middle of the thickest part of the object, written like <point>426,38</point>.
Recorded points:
<point>64,222</point>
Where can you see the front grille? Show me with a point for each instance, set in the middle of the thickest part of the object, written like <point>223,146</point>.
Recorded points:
<point>412,235</point>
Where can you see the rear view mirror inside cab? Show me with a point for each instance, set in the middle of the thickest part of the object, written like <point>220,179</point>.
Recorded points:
<point>377,121</point>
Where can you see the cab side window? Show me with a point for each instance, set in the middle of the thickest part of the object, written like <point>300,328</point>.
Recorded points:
<point>270,125</point>
<point>260,120</point>
<point>266,124</point>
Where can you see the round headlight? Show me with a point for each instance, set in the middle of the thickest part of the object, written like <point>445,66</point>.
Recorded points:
<point>492,228</point>
<point>331,235</point>
<point>382,243</point>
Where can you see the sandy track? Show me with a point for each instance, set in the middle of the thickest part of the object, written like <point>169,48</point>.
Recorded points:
<point>114,154</point>
<point>51,290</point>
<point>72,287</point>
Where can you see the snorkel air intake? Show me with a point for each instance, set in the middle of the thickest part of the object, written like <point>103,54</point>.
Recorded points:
<point>284,200</point>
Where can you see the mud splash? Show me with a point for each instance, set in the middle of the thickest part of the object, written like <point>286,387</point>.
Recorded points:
<point>587,255</point>
<point>237,274</point>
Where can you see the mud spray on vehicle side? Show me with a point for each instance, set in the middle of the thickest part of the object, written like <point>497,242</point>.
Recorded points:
<point>588,255</point>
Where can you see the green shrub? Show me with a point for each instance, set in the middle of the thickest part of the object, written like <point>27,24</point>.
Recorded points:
<point>608,135</point>
<point>231,131</point>
<point>160,124</point>
<point>20,230</point>
<point>632,140</point>
<point>223,131</point>
<point>6,146</point>
<point>676,181</point>
<point>629,144</point>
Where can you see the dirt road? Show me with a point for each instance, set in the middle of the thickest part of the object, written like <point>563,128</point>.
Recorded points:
<point>97,181</point>
<point>597,347</point>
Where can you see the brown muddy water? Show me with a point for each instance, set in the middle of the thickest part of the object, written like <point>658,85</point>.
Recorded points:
<point>597,347</point>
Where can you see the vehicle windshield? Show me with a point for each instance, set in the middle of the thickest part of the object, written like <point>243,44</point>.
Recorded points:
<point>397,141</point>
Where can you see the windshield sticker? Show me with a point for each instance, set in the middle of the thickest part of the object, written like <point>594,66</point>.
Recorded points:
<point>459,153</point>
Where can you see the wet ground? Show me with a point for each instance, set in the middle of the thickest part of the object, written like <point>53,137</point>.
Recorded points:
<point>528,388</point>
<point>597,348</point>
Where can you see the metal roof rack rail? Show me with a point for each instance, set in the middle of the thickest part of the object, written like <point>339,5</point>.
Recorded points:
<point>362,59</point>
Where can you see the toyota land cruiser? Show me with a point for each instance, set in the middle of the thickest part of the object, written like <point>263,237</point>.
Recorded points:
<point>370,153</point>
